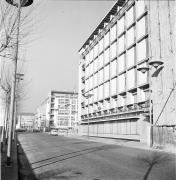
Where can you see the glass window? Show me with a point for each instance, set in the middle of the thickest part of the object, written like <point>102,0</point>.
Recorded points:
<point>130,16</point>
<point>113,32</point>
<point>130,57</point>
<point>130,36</point>
<point>100,61</point>
<point>113,68</point>
<point>95,79</point>
<point>95,50</point>
<point>113,50</point>
<point>91,82</point>
<point>131,79</point>
<point>106,39</point>
<point>106,89</point>
<point>100,92</point>
<point>87,59</point>
<point>121,83</point>
<point>121,63</point>
<point>100,76</point>
<point>101,45</point>
<point>91,68</point>
<point>142,77</point>
<point>140,8</point>
<point>91,55</point>
<point>95,94</point>
<point>113,86</point>
<point>141,50</point>
<point>121,43</point>
<point>130,98</point>
<point>95,65</point>
<point>106,73</point>
<point>106,56</point>
<point>121,25</point>
<point>141,28</point>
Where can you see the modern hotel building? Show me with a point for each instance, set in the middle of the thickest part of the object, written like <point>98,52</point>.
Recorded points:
<point>116,99</point>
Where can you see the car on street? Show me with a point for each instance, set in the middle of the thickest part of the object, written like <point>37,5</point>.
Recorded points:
<point>54,132</point>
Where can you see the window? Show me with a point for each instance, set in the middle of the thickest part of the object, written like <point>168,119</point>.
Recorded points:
<point>106,73</point>
<point>91,55</point>
<point>140,8</point>
<point>130,16</point>
<point>100,61</point>
<point>95,50</point>
<point>95,65</point>
<point>142,77</point>
<point>130,98</point>
<point>113,50</point>
<point>100,76</point>
<point>130,36</point>
<point>130,57</point>
<point>141,28</point>
<point>113,68</point>
<point>121,83</point>
<point>130,78</point>
<point>87,59</point>
<point>101,45</point>
<point>106,89</point>
<point>95,79</point>
<point>121,25</point>
<point>121,43</point>
<point>100,92</point>
<point>113,86</point>
<point>95,94</point>
<point>121,63</point>
<point>106,38</point>
<point>91,69</point>
<point>113,32</point>
<point>106,56</point>
<point>141,50</point>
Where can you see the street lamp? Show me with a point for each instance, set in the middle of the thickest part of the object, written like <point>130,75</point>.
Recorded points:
<point>156,65</point>
<point>18,78</point>
<point>18,4</point>
<point>87,96</point>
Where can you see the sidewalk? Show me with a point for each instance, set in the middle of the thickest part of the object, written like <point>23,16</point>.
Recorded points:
<point>120,142</point>
<point>9,173</point>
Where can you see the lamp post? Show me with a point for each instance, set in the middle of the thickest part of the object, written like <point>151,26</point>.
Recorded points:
<point>18,4</point>
<point>18,79</point>
<point>158,67</point>
<point>87,96</point>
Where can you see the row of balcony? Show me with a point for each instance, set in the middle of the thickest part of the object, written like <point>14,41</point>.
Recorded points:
<point>144,106</point>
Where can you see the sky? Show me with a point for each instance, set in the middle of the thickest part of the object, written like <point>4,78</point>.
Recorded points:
<point>51,59</point>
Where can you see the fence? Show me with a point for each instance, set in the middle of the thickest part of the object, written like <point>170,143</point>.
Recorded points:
<point>164,136</point>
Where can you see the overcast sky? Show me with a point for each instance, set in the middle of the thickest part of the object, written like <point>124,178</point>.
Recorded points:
<point>60,29</point>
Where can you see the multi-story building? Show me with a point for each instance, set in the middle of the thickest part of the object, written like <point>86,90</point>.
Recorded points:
<point>59,110</point>
<point>116,99</point>
<point>25,121</point>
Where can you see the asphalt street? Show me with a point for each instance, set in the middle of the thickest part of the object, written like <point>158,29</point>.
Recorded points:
<point>59,157</point>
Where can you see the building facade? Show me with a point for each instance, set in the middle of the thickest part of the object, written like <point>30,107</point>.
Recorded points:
<point>124,101</point>
<point>59,110</point>
<point>25,121</point>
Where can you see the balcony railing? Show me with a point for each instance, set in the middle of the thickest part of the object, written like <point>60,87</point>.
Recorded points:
<point>142,106</point>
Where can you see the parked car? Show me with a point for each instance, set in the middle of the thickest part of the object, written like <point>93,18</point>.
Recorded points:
<point>54,132</point>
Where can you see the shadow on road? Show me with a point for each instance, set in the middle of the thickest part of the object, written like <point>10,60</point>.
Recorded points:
<point>152,160</point>
<point>63,157</point>
<point>24,168</point>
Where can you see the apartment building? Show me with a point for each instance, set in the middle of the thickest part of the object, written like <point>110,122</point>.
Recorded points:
<point>25,121</point>
<point>120,94</point>
<point>59,110</point>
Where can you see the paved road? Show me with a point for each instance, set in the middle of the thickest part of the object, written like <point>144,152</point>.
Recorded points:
<point>58,157</point>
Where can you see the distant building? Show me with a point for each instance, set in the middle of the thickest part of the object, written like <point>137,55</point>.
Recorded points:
<point>25,121</point>
<point>124,101</point>
<point>59,111</point>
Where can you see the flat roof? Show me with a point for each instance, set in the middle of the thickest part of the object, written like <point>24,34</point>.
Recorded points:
<point>64,92</point>
<point>112,11</point>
